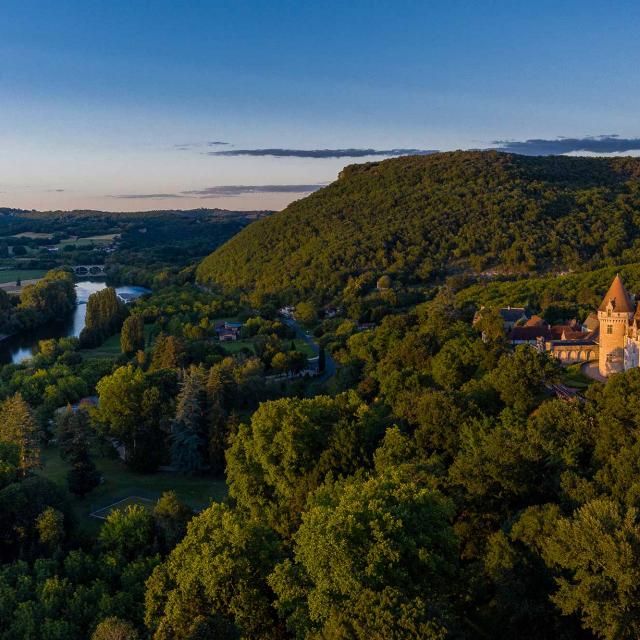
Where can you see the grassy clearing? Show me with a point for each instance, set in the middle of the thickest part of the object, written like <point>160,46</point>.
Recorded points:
<point>572,376</point>
<point>11,275</point>
<point>110,348</point>
<point>238,345</point>
<point>120,482</point>
<point>36,235</point>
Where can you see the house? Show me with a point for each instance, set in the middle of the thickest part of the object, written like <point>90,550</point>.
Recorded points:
<point>228,331</point>
<point>227,336</point>
<point>332,312</point>
<point>511,316</point>
<point>535,336</point>
<point>287,311</point>
<point>591,322</point>
<point>535,321</point>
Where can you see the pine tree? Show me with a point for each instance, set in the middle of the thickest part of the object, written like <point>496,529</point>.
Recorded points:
<point>65,431</point>
<point>18,427</point>
<point>168,353</point>
<point>189,426</point>
<point>82,476</point>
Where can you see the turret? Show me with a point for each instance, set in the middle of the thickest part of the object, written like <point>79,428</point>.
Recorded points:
<point>614,313</point>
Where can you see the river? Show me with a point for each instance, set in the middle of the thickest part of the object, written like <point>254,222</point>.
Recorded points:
<point>23,345</point>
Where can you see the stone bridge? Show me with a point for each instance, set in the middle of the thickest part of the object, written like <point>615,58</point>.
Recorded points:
<point>89,270</point>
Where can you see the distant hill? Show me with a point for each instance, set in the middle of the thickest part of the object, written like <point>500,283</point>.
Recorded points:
<point>9,212</point>
<point>419,218</point>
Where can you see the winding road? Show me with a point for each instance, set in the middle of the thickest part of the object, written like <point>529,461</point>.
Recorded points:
<point>330,365</point>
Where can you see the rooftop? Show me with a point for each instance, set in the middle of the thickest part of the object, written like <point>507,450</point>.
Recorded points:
<point>618,296</point>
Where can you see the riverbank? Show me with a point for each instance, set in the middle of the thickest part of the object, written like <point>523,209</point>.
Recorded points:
<point>16,348</point>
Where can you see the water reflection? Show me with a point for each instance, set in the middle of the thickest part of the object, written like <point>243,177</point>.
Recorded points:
<point>23,346</point>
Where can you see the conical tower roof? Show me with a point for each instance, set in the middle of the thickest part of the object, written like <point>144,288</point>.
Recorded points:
<point>618,296</point>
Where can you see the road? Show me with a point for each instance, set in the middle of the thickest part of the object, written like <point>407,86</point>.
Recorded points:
<point>330,365</point>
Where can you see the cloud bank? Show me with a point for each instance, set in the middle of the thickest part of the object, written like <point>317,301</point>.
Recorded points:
<point>240,190</point>
<point>187,146</point>
<point>322,153</point>
<point>224,191</point>
<point>593,144</point>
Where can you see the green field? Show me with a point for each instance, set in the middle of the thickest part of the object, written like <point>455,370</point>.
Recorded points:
<point>120,482</point>
<point>234,347</point>
<point>110,348</point>
<point>91,240</point>
<point>11,275</point>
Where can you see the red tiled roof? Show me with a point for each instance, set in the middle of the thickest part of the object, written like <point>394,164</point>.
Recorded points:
<point>529,333</point>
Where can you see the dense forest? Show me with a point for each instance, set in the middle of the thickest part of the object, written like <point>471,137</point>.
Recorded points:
<point>431,484</point>
<point>420,218</point>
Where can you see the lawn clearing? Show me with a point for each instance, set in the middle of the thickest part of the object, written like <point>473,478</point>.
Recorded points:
<point>12,275</point>
<point>573,377</point>
<point>34,235</point>
<point>121,483</point>
<point>110,348</point>
<point>103,514</point>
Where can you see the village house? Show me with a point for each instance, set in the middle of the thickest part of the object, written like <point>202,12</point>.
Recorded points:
<point>287,312</point>
<point>228,331</point>
<point>513,316</point>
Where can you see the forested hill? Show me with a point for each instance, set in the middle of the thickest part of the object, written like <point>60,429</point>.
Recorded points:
<point>417,218</point>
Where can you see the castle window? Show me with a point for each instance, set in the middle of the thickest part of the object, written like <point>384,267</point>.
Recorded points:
<point>609,328</point>
<point>609,313</point>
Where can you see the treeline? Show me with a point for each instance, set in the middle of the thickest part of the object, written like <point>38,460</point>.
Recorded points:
<point>420,218</point>
<point>104,317</point>
<point>51,299</point>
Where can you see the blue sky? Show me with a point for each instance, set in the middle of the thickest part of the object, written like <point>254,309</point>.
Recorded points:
<point>100,100</point>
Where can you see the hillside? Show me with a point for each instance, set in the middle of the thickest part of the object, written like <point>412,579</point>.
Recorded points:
<point>418,218</point>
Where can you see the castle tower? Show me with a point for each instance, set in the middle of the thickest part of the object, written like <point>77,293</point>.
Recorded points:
<point>614,313</point>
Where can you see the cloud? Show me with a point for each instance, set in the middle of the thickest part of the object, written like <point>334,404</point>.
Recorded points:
<point>224,191</point>
<point>145,196</point>
<point>188,146</point>
<point>322,153</point>
<point>227,191</point>
<point>594,144</point>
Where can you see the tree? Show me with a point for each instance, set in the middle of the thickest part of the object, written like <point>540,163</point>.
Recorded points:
<point>289,447</point>
<point>50,525</point>
<point>113,628</point>
<point>598,550</point>
<point>490,324</point>
<point>18,427</point>
<point>171,518</point>
<point>135,409</point>
<point>322,359</point>
<point>454,364</point>
<point>189,429</point>
<point>384,282</point>
<point>82,477</point>
<point>520,377</point>
<point>373,558</point>
<point>132,334</point>
<point>128,532</point>
<point>217,577</point>
<point>306,312</point>
<point>168,353</point>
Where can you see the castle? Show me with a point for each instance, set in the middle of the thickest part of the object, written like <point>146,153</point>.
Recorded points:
<point>619,331</point>
<point>610,337</point>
